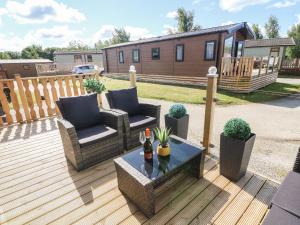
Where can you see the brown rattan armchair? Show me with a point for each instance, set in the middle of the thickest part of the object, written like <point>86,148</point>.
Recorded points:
<point>90,136</point>
<point>136,116</point>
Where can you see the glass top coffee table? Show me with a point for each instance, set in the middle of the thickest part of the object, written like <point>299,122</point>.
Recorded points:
<point>138,178</point>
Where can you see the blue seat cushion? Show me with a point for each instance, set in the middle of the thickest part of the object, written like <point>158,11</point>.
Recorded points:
<point>125,99</point>
<point>94,134</point>
<point>139,121</point>
<point>278,216</point>
<point>81,111</point>
<point>288,194</point>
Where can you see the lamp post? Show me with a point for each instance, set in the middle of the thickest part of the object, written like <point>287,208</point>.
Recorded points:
<point>132,76</point>
<point>211,90</point>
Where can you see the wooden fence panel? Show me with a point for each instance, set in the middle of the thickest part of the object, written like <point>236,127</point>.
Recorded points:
<point>54,94</point>
<point>29,99</point>
<point>14,100</point>
<point>68,88</point>
<point>38,98</point>
<point>23,97</point>
<point>5,104</point>
<point>47,96</point>
<point>31,96</point>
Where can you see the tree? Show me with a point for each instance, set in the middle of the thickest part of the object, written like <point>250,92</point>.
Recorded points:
<point>4,55</point>
<point>119,36</point>
<point>32,52</point>
<point>294,32</point>
<point>48,53</point>
<point>272,27</point>
<point>257,32</point>
<point>102,44</point>
<point>77,45</point>
<point>185,21</point>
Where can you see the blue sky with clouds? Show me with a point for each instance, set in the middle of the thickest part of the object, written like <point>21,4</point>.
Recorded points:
<point>56,22</point>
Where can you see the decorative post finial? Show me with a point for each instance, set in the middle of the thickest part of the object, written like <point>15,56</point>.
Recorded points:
<point>132,76</point>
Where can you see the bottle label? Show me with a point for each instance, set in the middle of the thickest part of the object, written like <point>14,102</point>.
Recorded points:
<point>148,155</point>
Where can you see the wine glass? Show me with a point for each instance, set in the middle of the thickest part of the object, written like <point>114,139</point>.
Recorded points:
<point>142,137</point>
<point>152,136</point>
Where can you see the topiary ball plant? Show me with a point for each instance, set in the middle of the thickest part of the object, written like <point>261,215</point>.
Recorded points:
<point>177,111</point>
<point>238,129</point>
<point>94,85</point>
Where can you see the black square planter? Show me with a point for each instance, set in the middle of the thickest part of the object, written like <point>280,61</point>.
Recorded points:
<point>234,156</point>
<point>179,127</point>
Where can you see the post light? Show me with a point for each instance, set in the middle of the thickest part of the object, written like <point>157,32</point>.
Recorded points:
<point>132,69</point>
<point>132,76</point>
<point>210,99</point>
<point>212,71</point>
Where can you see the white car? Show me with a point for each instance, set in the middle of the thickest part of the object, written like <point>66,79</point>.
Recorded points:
<point>86,69</point>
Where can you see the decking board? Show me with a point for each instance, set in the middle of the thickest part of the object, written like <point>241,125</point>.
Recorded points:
<point>38,186</point>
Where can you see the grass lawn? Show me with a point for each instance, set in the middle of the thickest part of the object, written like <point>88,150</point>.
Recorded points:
<point>195,95</point>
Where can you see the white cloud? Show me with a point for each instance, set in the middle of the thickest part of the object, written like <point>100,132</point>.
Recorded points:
<point>58,36</point>
<point>105,33</point>
<point>3,11</point>
<point>172,14</point>
<point>283,4</point>
<point>237,5</point>
<point>227,23</point>
<point>196,2</point>
<point>36,11</point>
<point>56,32</point>
<point>298,16</point>
<point>167,28</point>
<point>138,32</point>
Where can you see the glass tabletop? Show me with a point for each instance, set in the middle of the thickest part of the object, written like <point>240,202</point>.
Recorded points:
<point>180,153</point>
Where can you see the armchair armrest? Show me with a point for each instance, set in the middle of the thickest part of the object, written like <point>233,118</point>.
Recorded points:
<point>150,110</point>
<point>112,119</point>
<point>70,142</point>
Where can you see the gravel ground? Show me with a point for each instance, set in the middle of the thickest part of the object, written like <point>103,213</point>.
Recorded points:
<point>276,124</point>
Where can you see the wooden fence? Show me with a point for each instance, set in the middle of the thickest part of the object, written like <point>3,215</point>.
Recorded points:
<point>29,99</point>
<point>290,67</point>
<point>246,74</point>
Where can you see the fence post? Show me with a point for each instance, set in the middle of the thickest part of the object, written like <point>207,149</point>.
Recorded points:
<point>212,78</point>
<point>132,76</point>
<point>23,97</point>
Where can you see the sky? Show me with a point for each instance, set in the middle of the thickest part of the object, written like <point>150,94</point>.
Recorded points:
<point>57,22</point>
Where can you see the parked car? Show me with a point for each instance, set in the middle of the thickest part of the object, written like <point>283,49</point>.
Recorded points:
<point>85,69</point>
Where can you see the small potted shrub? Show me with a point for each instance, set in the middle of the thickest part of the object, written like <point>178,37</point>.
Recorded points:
<point>177,120</point>
<point>163,136</point>
<point>235,148</point>
<point>95,86</point>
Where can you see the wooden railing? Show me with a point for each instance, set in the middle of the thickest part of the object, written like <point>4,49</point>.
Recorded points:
<point>29,99</point>
<point>248,66</point>
<point>290,64</point>
<point>247,74</point>
<point>236,67</point>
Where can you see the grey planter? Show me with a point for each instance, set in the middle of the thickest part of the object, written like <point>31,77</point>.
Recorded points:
<point>234,156</point>
<point>179,127</point>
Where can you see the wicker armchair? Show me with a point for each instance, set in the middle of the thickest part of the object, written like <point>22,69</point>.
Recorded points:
<point>89,145</point>
<point>145,115</point>
<point>296,167</point>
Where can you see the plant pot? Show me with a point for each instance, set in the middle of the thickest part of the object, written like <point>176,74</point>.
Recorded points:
<point>179,127</point>
<point>163,151</point>
<point>99,99</point>
<point>234,156</point>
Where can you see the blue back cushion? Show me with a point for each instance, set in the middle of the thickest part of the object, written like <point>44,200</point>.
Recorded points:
<point>126,100</point>
<point>81,111</point>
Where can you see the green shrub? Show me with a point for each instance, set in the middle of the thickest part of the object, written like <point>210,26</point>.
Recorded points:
<point>94,85</point>
<point>238,129</point>
<point>163,136</point>
<point>177,111</point>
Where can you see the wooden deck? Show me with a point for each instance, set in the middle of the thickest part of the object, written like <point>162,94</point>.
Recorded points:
<point>38,186</point>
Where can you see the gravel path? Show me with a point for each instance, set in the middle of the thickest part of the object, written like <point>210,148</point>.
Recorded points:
<point>276,124</point>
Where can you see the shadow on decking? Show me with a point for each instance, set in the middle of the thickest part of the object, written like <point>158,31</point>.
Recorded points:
<point>27,130</point>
